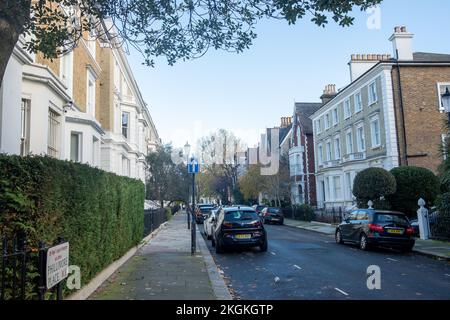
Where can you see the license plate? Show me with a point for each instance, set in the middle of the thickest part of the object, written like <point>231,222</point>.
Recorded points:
<point>275,219</point>
<point>395,231</point>
<point>243,236</point>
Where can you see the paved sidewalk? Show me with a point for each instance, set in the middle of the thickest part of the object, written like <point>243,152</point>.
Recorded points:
<point>320,227</point>
<point>432,248</point>
<point>164,269</point>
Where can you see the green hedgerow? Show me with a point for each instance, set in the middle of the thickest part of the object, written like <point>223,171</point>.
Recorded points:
<point>99,213</point>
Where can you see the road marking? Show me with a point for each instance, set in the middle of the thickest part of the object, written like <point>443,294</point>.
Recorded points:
<point>296,266</point>
<point>392,259</point>
<point>448,275</point>
<point>343,292</point>
<point>273,253</point>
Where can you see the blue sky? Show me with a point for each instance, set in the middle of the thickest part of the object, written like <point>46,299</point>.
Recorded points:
<point>247,92</point>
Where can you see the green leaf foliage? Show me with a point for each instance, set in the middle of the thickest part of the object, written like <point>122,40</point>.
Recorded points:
<point>413,183</point>
<point>374,184</point>
<point>99,213</point>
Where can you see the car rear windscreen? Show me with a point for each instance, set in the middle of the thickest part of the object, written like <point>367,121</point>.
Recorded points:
<point>386,218</point>
<point>239,215</point>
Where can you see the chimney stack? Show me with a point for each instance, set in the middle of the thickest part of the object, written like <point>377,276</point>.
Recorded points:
<point>286,122</point>
<point>328,93</point>
<point>361,63</point>
<point>402,44</point>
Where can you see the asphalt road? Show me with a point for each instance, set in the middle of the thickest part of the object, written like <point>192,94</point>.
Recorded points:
<point>302,264</point>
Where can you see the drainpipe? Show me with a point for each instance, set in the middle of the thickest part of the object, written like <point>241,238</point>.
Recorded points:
<point>402,111</point>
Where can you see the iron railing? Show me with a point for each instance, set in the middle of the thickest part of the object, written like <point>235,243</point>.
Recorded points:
<point>439,226</point>
<point>23,271</point>
<point>153,218</point>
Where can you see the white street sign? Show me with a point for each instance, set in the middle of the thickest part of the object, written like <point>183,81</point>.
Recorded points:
<point>57,264</point>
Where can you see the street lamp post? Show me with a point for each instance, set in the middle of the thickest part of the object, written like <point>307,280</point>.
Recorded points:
<point>187,151</point>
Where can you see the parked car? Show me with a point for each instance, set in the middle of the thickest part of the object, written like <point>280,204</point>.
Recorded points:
<point>202,212</point>
<point>238,227</point>
<point>272,215</point>
<point>209,223</point>
<point>259,209</point>
<point>367,228</point>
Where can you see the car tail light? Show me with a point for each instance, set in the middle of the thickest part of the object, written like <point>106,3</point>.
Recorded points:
<point>410,231</point>
<point>256,223</point>
<point>266,214</point>
<point>376,228</point>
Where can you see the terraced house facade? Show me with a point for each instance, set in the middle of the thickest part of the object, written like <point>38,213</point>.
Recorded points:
<point>388,116</point>
<point>84,106</point>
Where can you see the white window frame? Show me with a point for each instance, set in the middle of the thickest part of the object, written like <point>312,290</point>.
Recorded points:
<point>373,120</point>
<point>90,95</point>
<point>349,145</point>
<point>339,184</point>
<point>440,93</point>
<point>320,154</point>
<point>328,152</point>
<point>337,148</point>
<point>80,146</point>
<point>327,121</point>
<point>349,184</point>
<point>66,70</point>
<point>127,136</point>
<point>25,109</point>
<point>335,116</point>
<point>319,126</point>
<point>347,111</point>
<point>372,100</point>
<point>53,134</point>
<point>358,102</point>
<point>360,138</point>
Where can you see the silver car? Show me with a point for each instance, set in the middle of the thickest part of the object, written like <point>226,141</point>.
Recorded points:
<point>208,224</point>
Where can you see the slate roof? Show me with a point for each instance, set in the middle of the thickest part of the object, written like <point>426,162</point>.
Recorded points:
<point>431,57</point>
<point>304,110</point>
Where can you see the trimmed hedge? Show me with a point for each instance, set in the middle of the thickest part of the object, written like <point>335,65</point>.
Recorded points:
<point>99,213</point>
<point>413,183</point>
<point>374,184</point>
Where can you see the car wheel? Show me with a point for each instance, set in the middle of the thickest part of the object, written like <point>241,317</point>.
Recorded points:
<point>219,248</point>
<point>363,242</point>
<point>281,222</point>
<point>338,237</point>
<point>264,246</point>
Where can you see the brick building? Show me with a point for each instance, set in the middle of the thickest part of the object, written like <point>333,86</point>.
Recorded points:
<point>389,115</point>
<point>84,106</point>
<point>301,153</point>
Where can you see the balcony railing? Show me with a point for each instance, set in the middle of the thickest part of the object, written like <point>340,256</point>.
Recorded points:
<point>354,157</point>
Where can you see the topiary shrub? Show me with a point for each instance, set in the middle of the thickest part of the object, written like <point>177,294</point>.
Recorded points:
<point>413,183</point>
<point>374,184</point>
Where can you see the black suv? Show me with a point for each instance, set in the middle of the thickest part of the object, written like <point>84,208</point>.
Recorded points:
<point>273,215</point>
<point>238,227</point>
<point>367,227</point>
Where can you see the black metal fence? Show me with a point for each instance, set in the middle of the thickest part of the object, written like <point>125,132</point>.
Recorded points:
<point>329,215</point>
<point>153,218</point>
<point>23,270</point>
<point>326,215</point>
<point>439,226</point>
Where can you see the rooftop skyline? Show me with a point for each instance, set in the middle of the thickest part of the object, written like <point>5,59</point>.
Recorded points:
<point>246,93</point>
